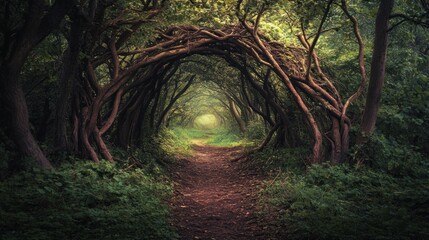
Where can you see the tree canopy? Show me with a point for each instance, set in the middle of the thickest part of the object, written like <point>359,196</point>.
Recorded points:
<point>332,79</point>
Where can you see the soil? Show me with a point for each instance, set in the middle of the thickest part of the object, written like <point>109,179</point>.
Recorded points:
<point>216,198</point>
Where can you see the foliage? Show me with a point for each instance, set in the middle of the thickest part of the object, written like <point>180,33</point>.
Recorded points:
<point>223,137</point>
<point>203,12</point>
<point>389,156</point>
<point>207,95</point>
<point>177,141</point>
<point>343,202</point>
<point>284,159</point>
<point>206,121</point>
<point>84,201</point>
<point>149,157</point>
<point>405,106</point>
<point>255,130</point>
<point>386,199</point>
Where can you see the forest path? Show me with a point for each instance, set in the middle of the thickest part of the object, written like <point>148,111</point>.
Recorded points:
<point>216,198</point>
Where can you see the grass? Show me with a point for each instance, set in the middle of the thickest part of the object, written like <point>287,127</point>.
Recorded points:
<point>179,141</point>
<point>223,138</point>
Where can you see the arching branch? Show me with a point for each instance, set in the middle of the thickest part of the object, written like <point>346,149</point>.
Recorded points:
<point>356,31</point>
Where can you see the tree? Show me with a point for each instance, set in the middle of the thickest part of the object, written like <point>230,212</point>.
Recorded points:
<point>378,65</point>
<point>379,56</point>
<point>40,21</point>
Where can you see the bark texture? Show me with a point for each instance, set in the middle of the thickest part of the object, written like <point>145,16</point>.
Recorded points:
<point>40,22</point>
<point>378,65</point>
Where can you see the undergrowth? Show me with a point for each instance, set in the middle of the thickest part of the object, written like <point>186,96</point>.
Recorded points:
<point>388,198</point>
<point>179,141</point>
<point>281,159</point>
<point>223,137</point>
<point>84,200</point>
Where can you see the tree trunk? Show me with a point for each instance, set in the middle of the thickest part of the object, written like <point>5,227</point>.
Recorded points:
<point>236,115</point>
<point>70,60</point>
<point>317,135</point>
<point>102,146</point>
<point>13,100</point>
<point>172,101</point>
<point>337,148</point>
<point>281,133</point>
<point>40,21</point>
<point>378,66</point>
<point>44,122</point>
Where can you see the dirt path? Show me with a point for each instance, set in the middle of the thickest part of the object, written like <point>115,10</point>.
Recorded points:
<point>216,199</point>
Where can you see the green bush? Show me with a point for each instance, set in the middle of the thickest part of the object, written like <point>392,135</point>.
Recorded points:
<point>286,159</point>
<point>392,157</point>
<point>255,130</point>
<point>84,200</point>
<point>342,202</point>
<point>177,141</point>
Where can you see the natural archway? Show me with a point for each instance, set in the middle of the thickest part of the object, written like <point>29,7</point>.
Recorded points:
<point>116,78</point>
<point>139,74</point>
<point>214,115</point>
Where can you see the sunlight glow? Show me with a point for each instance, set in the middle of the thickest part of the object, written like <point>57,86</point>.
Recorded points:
<point>206,121</point>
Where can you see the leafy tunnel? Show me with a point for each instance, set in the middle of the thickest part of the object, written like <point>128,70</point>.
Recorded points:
<point>115,86</point>
<point>141,78</point>
<point>210,112</point>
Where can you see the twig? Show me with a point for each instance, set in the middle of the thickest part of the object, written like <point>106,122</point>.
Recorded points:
<point>272,181</point>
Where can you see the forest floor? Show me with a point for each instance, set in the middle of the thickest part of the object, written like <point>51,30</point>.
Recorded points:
<point>216,198</point>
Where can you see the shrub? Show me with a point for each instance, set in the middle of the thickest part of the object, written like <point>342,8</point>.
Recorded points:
<point>84,201</point>
<point>176,141</point>
<point>392,157</point>
<point>343,202</point>
<point>255,130</point>
<point>286,159</point>
<point>225,138</point>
